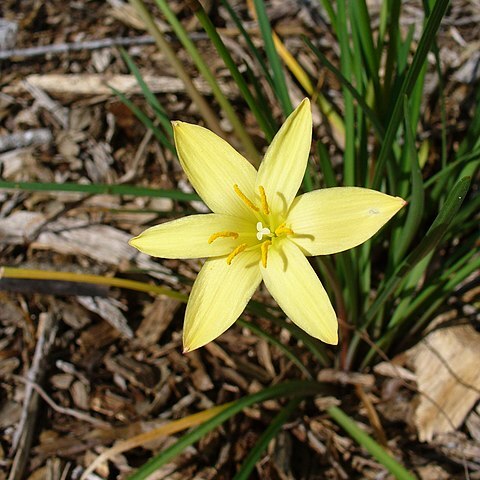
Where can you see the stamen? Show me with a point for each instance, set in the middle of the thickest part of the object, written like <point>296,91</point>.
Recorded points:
<point>222,235</point>
<point>245,199</point>
<point>264,248</point>
<point>238,250</point>
<point>282,229</point>
<point>263,200</point>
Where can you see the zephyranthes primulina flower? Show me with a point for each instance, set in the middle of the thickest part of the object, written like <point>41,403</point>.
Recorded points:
<point>260,231</point>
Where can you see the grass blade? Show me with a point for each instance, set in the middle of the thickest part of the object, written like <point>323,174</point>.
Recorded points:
<point>209,27</point>
<point>429,242</point>
<point>237,125</point>
<point>100,189</point>
<point>362,20</point>
<point>432,238</point>
<point>326,166</point>
<point>207,113</point>
<point>290,389</point>
<point>277,343</point>
<point>367,442</point>
<point>369,113</point>
<point>415,211</point>
<point>281,90</point>
<point>315,346</point>
<point>346,69</point>
<point>392,20</point>
<point>464,160</point>
<point>262,443</point>
<point>159,135</point>
<point>169,428</point>
<point>148,94</point>
<point>253,49</point>
<point>32,274</point>
<point>407,85</point>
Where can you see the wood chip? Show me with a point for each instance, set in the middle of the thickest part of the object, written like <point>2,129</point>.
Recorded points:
<point>200,378</point>
<point>391,369</point>
<point>265,357</point>
<point>16,162</point>
<point>126,13</point>
<point>10,414</point>
<point>109,311</point>
<point>458,448</point>
<point>8,34</point>
<point>215,350</point>
<point>345,378</point>
<point>158,316</point>
<point>72,236</point>
<point>432,472</point>
<point>137,373</point>
<point>97,336</point>
<point>473,425</point>
<point>58,112</point>
<point>90,84</point>
<point>99,165</point>
<point>80,395</point>
<point>62,381</point>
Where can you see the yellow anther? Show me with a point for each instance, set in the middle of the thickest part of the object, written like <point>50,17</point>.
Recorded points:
<point>282,229</point>
<point>263,200</point>
<point>264,248</point>
<point>245,199</point>
<point>238,250</point>
<point>222,235</point>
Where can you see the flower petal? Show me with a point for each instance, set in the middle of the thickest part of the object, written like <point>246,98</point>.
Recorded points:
<point>213,168</point>
<point>188,237</point>
<point>335,219</point>
<point>297,289</point>
<point>282,169</point>
<point>219,296</point>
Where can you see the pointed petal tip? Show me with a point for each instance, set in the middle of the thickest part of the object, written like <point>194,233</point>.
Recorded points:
<point>329,335</point>
<point>189,346</point>
<point>305,101</point>
<point>333,340</point>
<point>304,106</point>
<point>401,203</point>
<point>179,125</point>
<point>190,342</point>
<point>135,242</point>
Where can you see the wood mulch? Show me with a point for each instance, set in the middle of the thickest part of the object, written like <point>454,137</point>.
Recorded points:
<point>85,367</point>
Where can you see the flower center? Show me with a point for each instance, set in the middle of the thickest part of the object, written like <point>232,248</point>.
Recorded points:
<point>262,213</point>
<point>261,231</point>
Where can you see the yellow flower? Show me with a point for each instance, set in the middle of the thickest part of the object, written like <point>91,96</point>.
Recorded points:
<point>260,231</point>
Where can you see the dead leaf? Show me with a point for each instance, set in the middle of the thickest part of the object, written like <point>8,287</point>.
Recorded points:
<point>446,363</point>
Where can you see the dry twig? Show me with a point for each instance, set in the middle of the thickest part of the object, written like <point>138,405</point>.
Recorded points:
<point>38,136</point>
<point>22,439</point>
<point>58,48</point>
<point>58,408</point>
